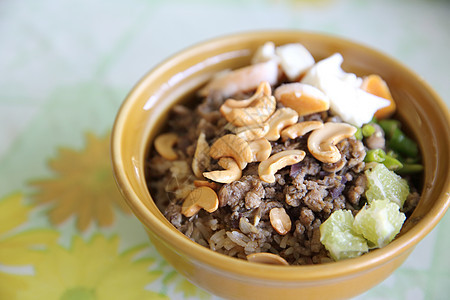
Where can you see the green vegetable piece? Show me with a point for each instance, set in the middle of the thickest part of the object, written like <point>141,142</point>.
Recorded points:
<point>379,222</point>
<point>400,143</point>
<point>339,237</point>
<point>392,154</point>
<point>358,134</point>
<point>392,163</point>
<point>375,155</point>
<point>379,156</point>
<point>389,126</point>
<point>385,184</point>
<point>367,130</point>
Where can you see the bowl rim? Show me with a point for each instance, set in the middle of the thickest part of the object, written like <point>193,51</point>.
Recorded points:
<point>200,254</point>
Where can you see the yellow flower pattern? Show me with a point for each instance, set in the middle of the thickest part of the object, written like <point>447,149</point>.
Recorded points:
<point>19,247</point>
<point>83,185</point>
<point>33,263</point>
<point>10,284</point>
<point>12,213</point>
<point>92,270</point>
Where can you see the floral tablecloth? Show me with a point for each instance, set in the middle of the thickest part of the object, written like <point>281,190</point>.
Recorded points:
<point>65,68</point>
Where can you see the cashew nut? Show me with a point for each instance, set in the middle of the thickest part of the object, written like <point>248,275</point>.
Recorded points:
<point>231,173</point>
<point>252,132</point>
<point>202,197</point>
<point>334,167</point>
<point>268,168</point>
<point>299,129</point>
<point>281,119</point>
<point>280,220</point>
<point>322,142</point>
<point>164,145</point>
<point>242,80</point>
<point>231,145</point>
<point>200,183</point>
<point>201,159</point>
<point>255,110</point>
<point>305,99</point>
<point>261,149</point>
<point>267,258</point>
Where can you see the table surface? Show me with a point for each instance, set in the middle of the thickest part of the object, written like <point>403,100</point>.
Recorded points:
<point>65,68</point>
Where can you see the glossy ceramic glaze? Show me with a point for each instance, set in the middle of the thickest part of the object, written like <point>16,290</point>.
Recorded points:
<point>143,115</point>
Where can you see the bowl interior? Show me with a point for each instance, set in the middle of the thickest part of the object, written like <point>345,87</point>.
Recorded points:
<point>143,115</point>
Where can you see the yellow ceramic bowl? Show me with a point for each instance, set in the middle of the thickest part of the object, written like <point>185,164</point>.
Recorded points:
<point>143,115</point>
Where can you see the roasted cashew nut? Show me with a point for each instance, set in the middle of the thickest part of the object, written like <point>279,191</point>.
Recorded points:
<point>231,173</point>
<point>335,167</point>
<point>202,197</point>
<point>261,149</point>
<point>201,159</point>
<point>242,80</point>
<point>267,258</point>
<point>231,145</point>
<point>281,119</point>
<point>322,142</point>
<point>255,110</point>
<point>268,168</point>
<point>299,129</point>
<point>280,220</point>
<point>200,183</point>
<point>305,99</point>
<point>252,132</point>
<point>164,145</point>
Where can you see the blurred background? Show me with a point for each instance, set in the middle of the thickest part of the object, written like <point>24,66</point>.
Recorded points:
<point>65,68</point>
